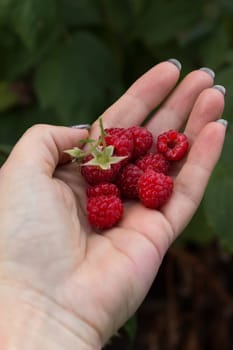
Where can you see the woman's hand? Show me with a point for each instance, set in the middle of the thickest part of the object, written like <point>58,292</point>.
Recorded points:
<point>63,285</point>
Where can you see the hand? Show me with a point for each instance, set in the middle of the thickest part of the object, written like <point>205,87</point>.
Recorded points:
<point>62,285</point>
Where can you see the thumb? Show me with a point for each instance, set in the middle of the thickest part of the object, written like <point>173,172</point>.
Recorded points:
<point>42,146</point>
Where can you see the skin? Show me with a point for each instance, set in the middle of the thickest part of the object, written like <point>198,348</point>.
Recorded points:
<point>63,285</point>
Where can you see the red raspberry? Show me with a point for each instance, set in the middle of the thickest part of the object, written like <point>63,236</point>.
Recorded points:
<point>94,175</point>
<point>121,139</point>
<point>104,211</point>
<point>104,189</point>
<point>172,145</point>
<point>155,161</point>
<point>154,189</point>
<point>143,140</point>
<point>127,181</point>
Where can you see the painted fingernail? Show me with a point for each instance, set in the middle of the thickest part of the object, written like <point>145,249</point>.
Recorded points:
<point>220,88</point>
<point>223,122</point>
<point>175,62</point>
<point>208,71</point>
<point>81,126</point>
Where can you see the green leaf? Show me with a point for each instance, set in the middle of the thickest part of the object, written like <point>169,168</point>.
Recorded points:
<point>15,122</point>
<point>79,79</point>
<point>7,97</point>
<point>16,59</point>
<point>197,32</point>
<point>227,6</point>
<point>199,230</point>
<point>5,149</point>
<point>5,9</point>
<point>4,152</point>
<point>138,6</point>
<point>32,20</point>
<point>218,201</point>
<point>80,13</point>
<point>215,58</point>
<point>165,20</point>
<point>131,327</point>
<point>225,78</point>
<point>118,16</point>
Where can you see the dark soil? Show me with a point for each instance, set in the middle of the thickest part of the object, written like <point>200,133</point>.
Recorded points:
<point>189,306</point>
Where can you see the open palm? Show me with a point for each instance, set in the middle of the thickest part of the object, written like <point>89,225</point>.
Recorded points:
<point>99,280</point>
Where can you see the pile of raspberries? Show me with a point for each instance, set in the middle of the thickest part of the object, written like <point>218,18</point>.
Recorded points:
<point>123,166</point>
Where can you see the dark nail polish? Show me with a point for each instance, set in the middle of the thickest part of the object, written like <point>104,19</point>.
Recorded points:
<point>175,62</point>
<point>81,126</point>
<point>222,121</point>
<point>208,71</point>
<point>220,88</point>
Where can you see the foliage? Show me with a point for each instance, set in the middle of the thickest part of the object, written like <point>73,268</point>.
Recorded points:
<point>65,61</point>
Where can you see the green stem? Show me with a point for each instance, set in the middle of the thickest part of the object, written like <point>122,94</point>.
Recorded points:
<point>102,132</point>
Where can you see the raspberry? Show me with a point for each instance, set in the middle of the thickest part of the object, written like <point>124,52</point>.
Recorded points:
<point>105,166</point>
<point>106,189</point>
<point>172,145</point>
<point>121,139</point>
<point>104,211</point>
<point>154,189</point>
<point>155,161</point>
<point>143,140</point>
<point>127,181</point>
<point>94,175</point>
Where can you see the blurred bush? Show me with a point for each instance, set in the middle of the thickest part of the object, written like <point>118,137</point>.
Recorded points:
<point>65,61</point>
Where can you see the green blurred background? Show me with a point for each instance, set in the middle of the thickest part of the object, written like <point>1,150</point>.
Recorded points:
<point>64,61</point>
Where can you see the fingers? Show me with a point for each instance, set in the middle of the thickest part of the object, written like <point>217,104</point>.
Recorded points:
<point>193,178</point>
<point>150,91</point>
<point>141,98</point>
<point>208,107</point>
<point>176,109</point>
<point>42,146</point>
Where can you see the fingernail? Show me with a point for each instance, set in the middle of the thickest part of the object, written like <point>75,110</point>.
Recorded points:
<point>175,62</point>
<point>81,126</point>
<point>220,88</point>
<point>222,121</point>
<point>208,71</point>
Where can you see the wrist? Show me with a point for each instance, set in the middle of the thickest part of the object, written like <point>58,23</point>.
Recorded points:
<point>29,321</point>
